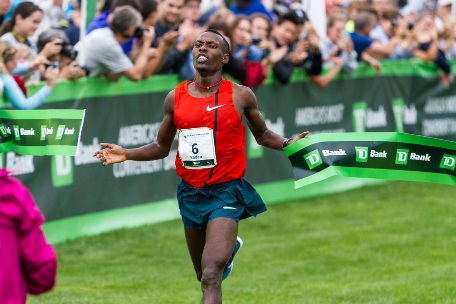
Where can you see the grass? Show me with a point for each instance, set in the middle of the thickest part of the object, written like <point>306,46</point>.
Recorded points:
<point>393,243</point>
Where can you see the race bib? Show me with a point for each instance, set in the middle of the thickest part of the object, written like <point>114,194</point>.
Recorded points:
<point>196,148</point>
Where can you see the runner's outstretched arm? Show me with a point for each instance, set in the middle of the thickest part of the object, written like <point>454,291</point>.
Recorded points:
<point>158,149</point>
<point>255,121</point>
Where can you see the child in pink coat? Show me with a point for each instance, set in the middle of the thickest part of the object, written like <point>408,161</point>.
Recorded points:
<point>28,264</point>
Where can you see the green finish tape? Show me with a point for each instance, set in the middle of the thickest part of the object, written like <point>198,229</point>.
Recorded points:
<point>383,155</point>
<point>41,132</point>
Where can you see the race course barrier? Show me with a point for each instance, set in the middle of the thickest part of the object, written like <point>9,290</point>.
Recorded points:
<point>80,197</point>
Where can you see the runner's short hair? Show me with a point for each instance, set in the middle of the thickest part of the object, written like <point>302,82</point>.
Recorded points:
<point>226,44</point>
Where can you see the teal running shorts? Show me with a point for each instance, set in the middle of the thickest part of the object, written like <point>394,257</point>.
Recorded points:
<point>235,199</point>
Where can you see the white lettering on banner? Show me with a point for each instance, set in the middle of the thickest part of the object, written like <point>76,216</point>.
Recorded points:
<point>374,153</point>
<point>414,156</point>
<point>362,153</point>
<point>5,130</point>
<point>440,105</point>
<point>26,132</point>
<point>63,164</point>
<point>138,134</point>
<point>69,131</point>
<point>449,161</point>
<point>85,153</point>
<point>319,115</point>
<point>376,119</point>
<point>329,153</point>
<point>128,168</point>
<point>402,156</point>
<point>277,127</point>
<point>313,159</point>
<point>19,164</point>
<point>410,115</point>
<point>439,127</point>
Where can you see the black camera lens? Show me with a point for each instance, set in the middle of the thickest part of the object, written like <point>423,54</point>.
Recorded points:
<point>256,39</point>
<point>139,32</point>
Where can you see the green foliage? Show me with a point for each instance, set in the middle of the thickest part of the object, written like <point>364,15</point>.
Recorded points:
<point>392,243</point>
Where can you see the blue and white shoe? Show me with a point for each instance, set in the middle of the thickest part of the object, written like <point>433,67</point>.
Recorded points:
<point>230,265</point>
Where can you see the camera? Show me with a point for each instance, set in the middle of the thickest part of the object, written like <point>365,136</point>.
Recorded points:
<point>338,53</point>
<point>410,26</point>
<point>139,31</point>
<point>256,40</point>
<point>67,50</point>
<point>53,64</point>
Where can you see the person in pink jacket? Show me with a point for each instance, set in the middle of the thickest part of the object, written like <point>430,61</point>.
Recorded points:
<point>28,264</point>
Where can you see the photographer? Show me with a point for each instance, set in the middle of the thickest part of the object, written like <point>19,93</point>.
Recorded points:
<point>103,53</point>
<point>69,68</point>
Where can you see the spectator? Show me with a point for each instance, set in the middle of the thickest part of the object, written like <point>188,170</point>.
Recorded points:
<point>190,16</point>
<point>425,36</point>
<point>29,263</point>
<point>73,30</point>
<point>23,55</point>
<point>12,91</point>
<point>223,15</point>
<point>337,50</point>
<point>364,23</point>
<point>249,7</point>
<point>103,53</point>
<point>69,69</point>
<point>4,8</point>
<point>234,68</point>
<point>52,16</point>
<point>246,52</point>
<point>25,21</point>
<point>102,20</point>
<point>170,20</point>
<point>164,44</point>
<point>261,32</point>
<point>284,34</point>
<point>338,43</point>
<point>303,52</point>
<point>241,41</point>
<point>447,38</point>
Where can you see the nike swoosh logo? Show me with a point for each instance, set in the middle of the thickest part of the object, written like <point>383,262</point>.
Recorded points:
<point>213,108</point>
<point>226,207</point>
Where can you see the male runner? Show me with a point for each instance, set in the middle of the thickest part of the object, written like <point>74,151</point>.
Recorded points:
<point>211,160</point>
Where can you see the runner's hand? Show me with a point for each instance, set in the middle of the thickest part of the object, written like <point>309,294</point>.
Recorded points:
<point>300,136</point>
<point>111,154</point>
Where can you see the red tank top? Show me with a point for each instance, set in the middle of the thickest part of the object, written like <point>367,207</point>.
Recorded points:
<point>216,113</point>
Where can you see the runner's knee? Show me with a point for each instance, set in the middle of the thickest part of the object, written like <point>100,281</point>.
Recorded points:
<point>211,276</point>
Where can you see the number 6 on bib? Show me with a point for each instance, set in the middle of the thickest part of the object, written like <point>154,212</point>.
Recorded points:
<point>196,148</point>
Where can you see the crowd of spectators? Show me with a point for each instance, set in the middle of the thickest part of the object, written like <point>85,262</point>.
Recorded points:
<point>140,38</point>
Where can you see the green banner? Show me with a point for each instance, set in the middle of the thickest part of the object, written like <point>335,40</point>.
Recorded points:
<point>385,155</point>
<point>41,132</point>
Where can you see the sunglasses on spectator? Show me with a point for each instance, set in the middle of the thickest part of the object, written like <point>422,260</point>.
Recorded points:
<point>123,35</point>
